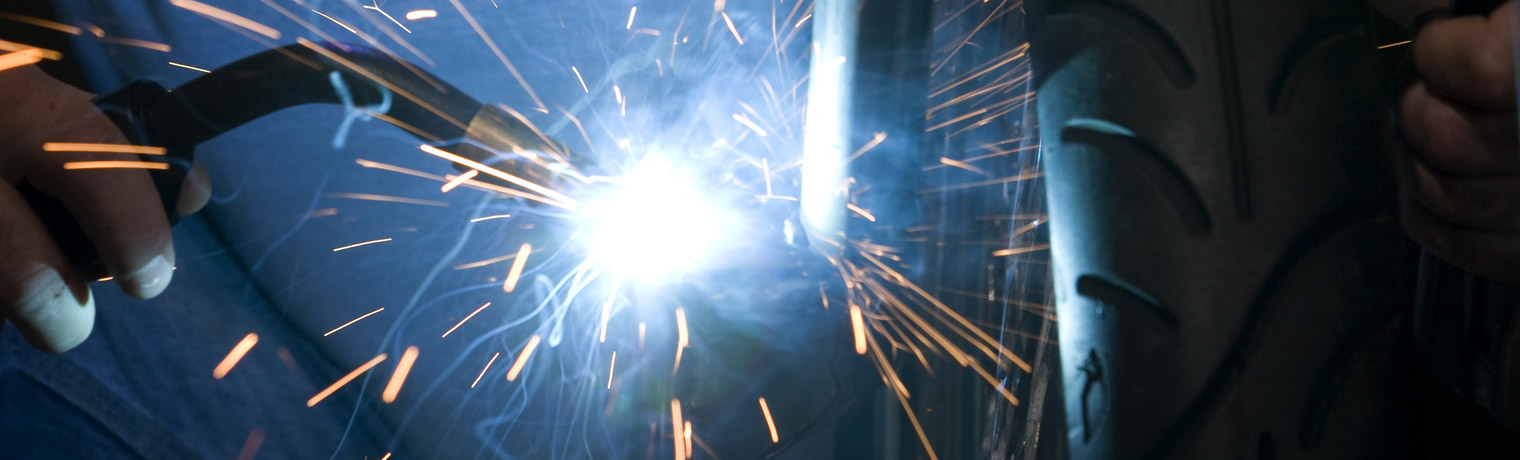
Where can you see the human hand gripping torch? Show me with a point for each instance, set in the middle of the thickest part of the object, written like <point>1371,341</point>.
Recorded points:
<point>516,157</point>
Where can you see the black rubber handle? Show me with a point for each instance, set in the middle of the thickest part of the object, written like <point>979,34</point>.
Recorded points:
<point>132,109</point>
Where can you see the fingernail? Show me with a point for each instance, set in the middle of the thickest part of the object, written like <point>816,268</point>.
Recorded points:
<point>151,277</point>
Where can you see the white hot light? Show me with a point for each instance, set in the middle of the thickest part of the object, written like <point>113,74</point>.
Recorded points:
<point>654,222</point>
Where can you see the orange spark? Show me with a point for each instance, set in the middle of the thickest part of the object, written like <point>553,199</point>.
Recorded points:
<point>460,179</point>
<point>863,213</point>
<point>251,445</point>
<point>483,370</point>
<point>355,320</point>
<point>388,199</point>
<point>101,148</point>
<point>522,359</point>
<point>403,367</point>
<point>414,15</point>
<point>1012,251</point>
<point>235,355</point>
<point>963,165</point>
<point>686,434</point>
<point>227,17</point>
<point>344,381</point>
<point>65,28</point>
<point>579,79</point>
<point>386,457</point>
<point>676,424</point>
<point>1391,45</point>
<point>366,243</point>
<point>155,46</point>
<point>631,12</point>
<point>499,174</point>
<point>682,340</point>
<point>115,165</point>
<point>876,140</point>
<point>498,216</point>
<point>499,56</point>
<point>607,312</point>
<point>858,325</point>
<point>466,318</point>
<point>769,423</point>
<point>517,267</point>
<point>32,50</point>
<point>191,67</point>
<point>733,29</point>
<point>335,21</point>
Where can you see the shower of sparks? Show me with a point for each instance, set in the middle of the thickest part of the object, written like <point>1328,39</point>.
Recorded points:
<point>522,359</point>
<point>460,179</point>
<point>466,318</point>
<point>484,369</point>
<point>191,67</point>
<point>561,198</point>
<point>485,218</point>
<point>355,320</point>
<point>858,327</point>
<point>769,422</point>
<point>101,148</point>
<point>631,12</point>
<point>676,424</point>
<point>355,245</point>
<point>414,15</point>
<point>682,340</point>
<point>235,355</point>
<point>115,165</point>
<point>731,28</point>
<point>227,17</point>
<point>581,80</point>
<point>518,263</point>
<point>403,367</point>
<point>344,381</point>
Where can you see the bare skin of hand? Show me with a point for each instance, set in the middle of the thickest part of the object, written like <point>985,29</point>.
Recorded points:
<point>41,294</point>
<point>1460,179</point>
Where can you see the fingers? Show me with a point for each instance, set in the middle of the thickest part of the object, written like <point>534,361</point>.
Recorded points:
<point>1470,59</point>
<point>118,209</point>
<point>39,292</point>
<point>1457,140</point>
<point>194,192</point>
<point>1490,203</point>
<point>1491,255</point>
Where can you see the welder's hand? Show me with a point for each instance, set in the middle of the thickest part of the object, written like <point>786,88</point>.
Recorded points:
<point>1461,180</point>
<point>40,293</point>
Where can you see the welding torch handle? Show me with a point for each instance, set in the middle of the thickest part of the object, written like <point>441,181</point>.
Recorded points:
<point>247,89</point>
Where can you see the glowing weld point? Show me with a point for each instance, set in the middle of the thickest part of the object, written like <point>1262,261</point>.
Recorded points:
<point>517,267</point>
<point>414,15</point>
<point>344,381</point>
<point>858,326</point>
<point>403,367</point>
<point>769,423</point>
<point>483,370</point>
<point>355,320</point>
<point>460,179</point>
<point>115,165</point>
<point>355,245</point>
<point>522,359</point>
<point>675,424</point>
<point>466,318</point>
<point>235,355</point>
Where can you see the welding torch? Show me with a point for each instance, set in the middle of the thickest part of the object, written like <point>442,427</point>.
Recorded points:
<point>306,73</point>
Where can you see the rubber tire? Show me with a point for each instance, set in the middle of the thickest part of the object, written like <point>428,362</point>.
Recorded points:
<point>1229,269</point>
